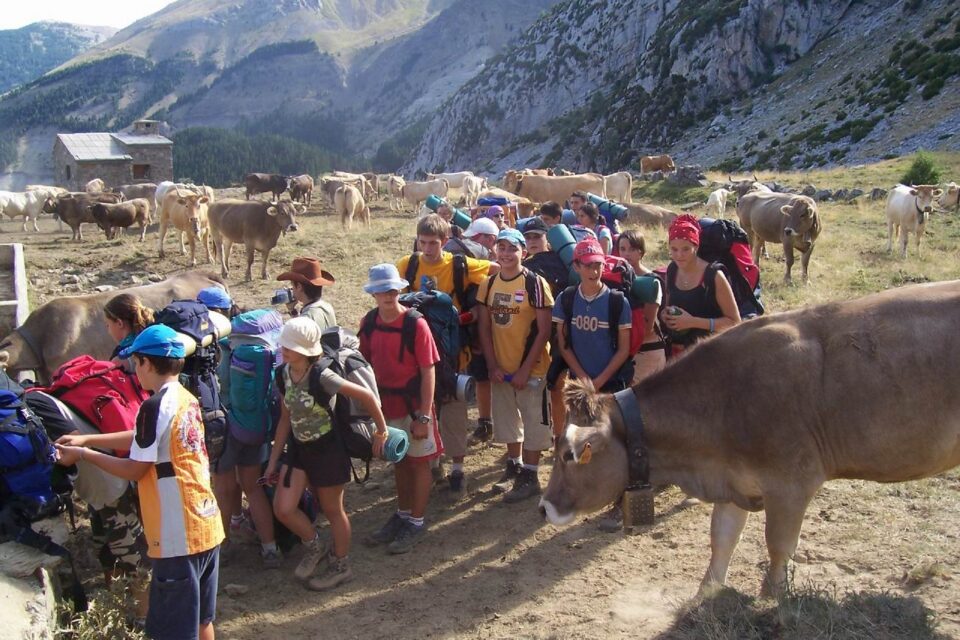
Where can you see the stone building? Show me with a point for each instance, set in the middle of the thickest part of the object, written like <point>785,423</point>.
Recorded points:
<point>142,155</point>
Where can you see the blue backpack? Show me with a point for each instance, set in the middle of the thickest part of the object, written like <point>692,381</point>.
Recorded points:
<point>26,460</point>
<point>247,376</point>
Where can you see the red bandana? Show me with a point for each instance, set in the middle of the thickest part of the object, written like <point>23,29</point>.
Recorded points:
<point>685,227</point>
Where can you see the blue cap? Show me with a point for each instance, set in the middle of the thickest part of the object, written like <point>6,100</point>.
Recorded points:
<point>512,236</point>
<point>156,340</point>
<point>215,298</point>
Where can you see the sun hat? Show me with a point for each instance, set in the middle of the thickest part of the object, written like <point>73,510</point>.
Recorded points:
<point>156,340</point>
<point>535,225</point>
<point>512,236</point>
<point>685,227</point>
<point>301,334</point>
<point>215,298</point>
<point>307,271</point>
<point>482,226</point>
<point>496,211</point>
<point>588,251</point>
<point>384,277</point>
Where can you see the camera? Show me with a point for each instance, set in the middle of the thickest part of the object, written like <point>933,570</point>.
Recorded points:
<point>282,296</point>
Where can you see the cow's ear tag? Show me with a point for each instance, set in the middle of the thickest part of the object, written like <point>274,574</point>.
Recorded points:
<point>585,455</point>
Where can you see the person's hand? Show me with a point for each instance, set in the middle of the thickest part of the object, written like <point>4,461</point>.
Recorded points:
<point>72,440</point>
<point>677,322</point>
<point>292,308</point>
<point>419,431</point>
<point>270,476</point>
<point>496,374</point>
<point>68,456</point>
<point>379,440</point>
<point>519,379</point>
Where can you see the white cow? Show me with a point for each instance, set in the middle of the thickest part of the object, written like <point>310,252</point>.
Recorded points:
<point>472,186</point>
<point>395,192</point>
<point>717,202</point>
<point>365,185</point>
<point>417,192</point>
<point>349,204</point>
<point>619,186</point>
<point>454,180</point>
<point>95,186</point>
<point>908,209</point>
<point>950,198</point>
<point>27,204</point>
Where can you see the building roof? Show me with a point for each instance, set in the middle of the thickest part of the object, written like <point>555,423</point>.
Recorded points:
<point>151,139</point>
<point>93,146</point>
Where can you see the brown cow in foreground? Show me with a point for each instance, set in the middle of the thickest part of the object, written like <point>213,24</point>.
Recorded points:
<point>65,328</point>
<point>649,164</point>
<point>791,220</point>
<point>255,223</point>
<point>848,392</point>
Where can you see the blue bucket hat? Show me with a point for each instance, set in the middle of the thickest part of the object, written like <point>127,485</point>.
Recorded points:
<point>512,236</point>
<point>384,277</point>
<point>214,298</point>
<point>156,340</point>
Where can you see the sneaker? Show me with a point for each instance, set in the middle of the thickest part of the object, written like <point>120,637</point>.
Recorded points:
<point>271,559</point>
<point>458,482</point>
<point>314,552</point>
<point>386,533</point>
<point>243,533</point>
<point>482,433</point>
<point>336,573</point>
<point>612,520</point>
<point>407,538</point>
<point>527,485</point>
<point>505,483</point>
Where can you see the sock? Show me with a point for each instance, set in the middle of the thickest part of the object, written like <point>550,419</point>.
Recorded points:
<point>403,514</point>
<point>517,461</point>
<point>268,547</point>
<point>456,467</point>
<point>237,520</point>
<point>530,467</point>
<point>415,521</point>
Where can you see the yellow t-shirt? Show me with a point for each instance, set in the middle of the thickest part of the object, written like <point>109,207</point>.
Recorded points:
<point>439,276</point>
<point>514,316</point>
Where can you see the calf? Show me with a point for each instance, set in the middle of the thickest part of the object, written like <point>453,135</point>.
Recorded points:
<point>74,209</point>
<point>649,164</point>
<point>114,217</point>
<point>717,202</point>
<point>950,198</point>
<point>95,186</point>
<point>619,186</point>
<point>256,183</point>
<point>908,209</point>
<point>256,224</point>
<point>349,203</point>
<point>188,214</point>
<point>472,186</point>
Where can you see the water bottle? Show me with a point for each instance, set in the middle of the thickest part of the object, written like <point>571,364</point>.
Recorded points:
<point>533,383</point>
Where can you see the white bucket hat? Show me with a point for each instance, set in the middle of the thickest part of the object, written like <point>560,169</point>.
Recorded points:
<point>302,335</point>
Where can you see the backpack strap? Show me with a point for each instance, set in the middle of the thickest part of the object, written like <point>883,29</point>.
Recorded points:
<point>671,282</point>
<point>566,303</point>
<point>614,310</point>
<point>460,280</point>
<point>413,265</point>
<point>486,297</point>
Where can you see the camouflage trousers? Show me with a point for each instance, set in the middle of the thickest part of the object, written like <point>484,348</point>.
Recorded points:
<point>119,534</point>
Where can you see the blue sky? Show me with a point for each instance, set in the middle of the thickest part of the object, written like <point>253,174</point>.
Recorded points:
<point>102,13</point>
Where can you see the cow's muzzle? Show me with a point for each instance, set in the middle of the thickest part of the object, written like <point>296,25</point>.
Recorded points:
<point>788,231</point>
<point>552,515</point>
<point>291,228</point>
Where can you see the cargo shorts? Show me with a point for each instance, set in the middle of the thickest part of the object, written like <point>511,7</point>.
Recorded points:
<point>119,534</point>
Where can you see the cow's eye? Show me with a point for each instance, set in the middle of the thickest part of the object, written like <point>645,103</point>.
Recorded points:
<point>567,455</point>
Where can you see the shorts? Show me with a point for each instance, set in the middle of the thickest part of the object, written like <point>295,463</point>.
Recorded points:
<point>518,417</point>
<point>183,595</point>
<point>646,363</point>
<point>119,533</point>
<point>236,454</point>
<point>421,450</point>
<point>453,428</point>
<point>477,368</point>
<point>325,461</point>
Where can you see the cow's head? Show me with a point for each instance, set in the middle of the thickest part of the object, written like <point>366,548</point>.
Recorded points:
<point>803,219</point>
<point>510,179</point>
<point>99,212</point>
<point>924,195</point>
<point>950,195</point>
<point>590,468</point>
<point>196,206</point>
<point>284,213</point>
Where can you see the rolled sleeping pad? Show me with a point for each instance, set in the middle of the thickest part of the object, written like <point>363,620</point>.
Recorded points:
<point>460,217</point>
<point>222,324</point>
<point>396,445</point>
<point>562,243</point>
<point>611,210</point>
<point>569,217</point>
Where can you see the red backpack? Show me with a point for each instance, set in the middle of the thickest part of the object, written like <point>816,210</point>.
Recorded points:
<point>102,392</point>
<point>619,275</point>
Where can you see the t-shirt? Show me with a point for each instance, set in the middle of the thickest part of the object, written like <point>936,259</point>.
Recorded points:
<point>439,276</point>
<point>309,420</point>
<point>590,329</point>
<point>177,504</point>
<point>382,350</point>
<point>514,316</point>
<point>321,312</point>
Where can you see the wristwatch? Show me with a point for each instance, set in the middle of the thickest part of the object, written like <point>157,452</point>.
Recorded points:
<point>423,418</point>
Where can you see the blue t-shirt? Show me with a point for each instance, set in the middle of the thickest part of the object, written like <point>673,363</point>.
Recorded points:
<point>590,329</point>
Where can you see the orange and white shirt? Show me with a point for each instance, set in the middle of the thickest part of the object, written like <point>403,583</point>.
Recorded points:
<point>177,504</point>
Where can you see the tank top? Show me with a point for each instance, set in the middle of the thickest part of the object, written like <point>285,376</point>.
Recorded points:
<point>309,420</point>
<point>699,302</point>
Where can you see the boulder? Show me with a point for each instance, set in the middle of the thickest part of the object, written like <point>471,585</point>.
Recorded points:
<point>809,191</point>
<point>878,194</point>
<point>688,176</point>
<point>854,193</point>
<point>841,194</point>
<point>822,195</point>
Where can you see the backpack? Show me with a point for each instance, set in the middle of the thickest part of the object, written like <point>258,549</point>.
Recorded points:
<point>465,294</point>
<point>199,371</point>
<point>467,247</point>
<point>550,265</point>
<point>102,393</point>
<point>618,274</point>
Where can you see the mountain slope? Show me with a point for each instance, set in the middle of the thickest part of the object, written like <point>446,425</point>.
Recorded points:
<point>29,52</point>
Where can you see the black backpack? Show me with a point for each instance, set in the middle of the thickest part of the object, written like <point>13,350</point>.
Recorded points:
<point>550,265</point>
<point>199,374</point>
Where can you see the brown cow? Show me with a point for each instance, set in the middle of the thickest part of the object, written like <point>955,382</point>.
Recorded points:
<point>830,407</point>
<point>781,217</point>
<point>650,215</point>
<point>275,183</point>
<point>301,189</point>
<point>555,188</point>
<point>256,224</point>
<point>114,217</point>
<point>74,209</point>
<point>649,164</point>
<point>65,328</point>
<point>188,214</point>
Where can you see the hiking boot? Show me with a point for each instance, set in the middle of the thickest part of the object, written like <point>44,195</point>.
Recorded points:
<point>386,533</point>
<point>527,485</point>
<point>243,533</point>
<point>407,538</point>
<point>482,433</point>
<point>612,520</point>
<point>505,483</point>
<point>336,572</point>
<point>458,482</point>
<point>271,559</point>
<point>314,552</point>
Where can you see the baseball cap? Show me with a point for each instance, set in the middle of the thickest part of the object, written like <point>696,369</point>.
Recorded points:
<point>301,334</point>
<point>512,236</point>
<point>482,226</point>
<point>534,225</point>
<point>588,251</point>
<point>214,298</point>
<point>156,340</point>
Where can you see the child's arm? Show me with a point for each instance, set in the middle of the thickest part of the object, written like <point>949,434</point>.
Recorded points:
<point>623,352</point>
<point>120,440</point>
<point>520,377</point>
<point>121,467</point>
<point>428,381</point>
<point>486,343</point>
<point>371,403</point>
<point>279,440</point>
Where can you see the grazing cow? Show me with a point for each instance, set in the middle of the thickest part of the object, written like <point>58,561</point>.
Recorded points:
<point>416,192</point>
<point>187,212</point>
<point>74,209</point>
<point>950,198</point>
<point>374,180</point>
<point>717,202</point>
<point>359,180</point>
<point>256,224</point>
<point>28,205</point>
<point>619,186</point>
<point>650,215</point>
<point>395,192</point>
<point>557,188</point>
<point>274,183</point>
<point>301,189</point>
<point>908,209</point>
<point>114,217</point>
<point>65,328</point>
<point>827,411</point>
<point>781,217</point>
<point>472,186</point>
<point>348,203</point>
<point>454,180</point>
<point>95,186</point>
<point>649,164</point>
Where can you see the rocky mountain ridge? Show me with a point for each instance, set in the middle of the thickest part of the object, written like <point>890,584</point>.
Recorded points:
<point>30,51</point>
